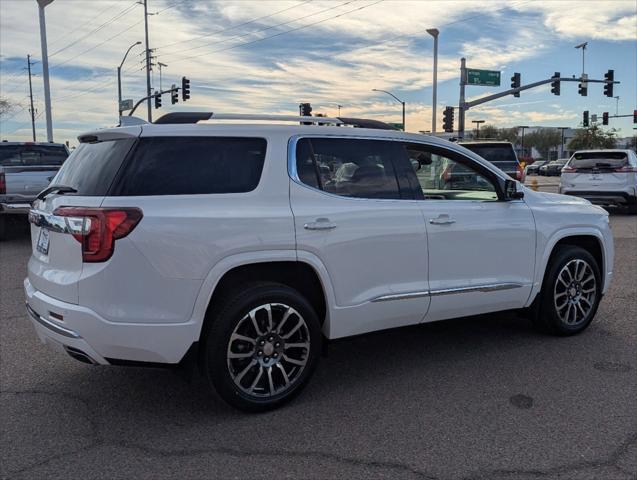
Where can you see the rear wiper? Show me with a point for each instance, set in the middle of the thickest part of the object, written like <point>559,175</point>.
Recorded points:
<point>56,189</point>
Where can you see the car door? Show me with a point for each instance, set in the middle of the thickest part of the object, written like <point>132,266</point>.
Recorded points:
<point>481,249</point>
<point>350,217</point>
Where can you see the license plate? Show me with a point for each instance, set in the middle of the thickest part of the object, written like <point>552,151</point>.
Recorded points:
<point>43,242</point>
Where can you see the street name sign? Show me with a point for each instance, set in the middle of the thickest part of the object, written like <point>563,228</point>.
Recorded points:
<point>488,78</point>
<point>126,104</point>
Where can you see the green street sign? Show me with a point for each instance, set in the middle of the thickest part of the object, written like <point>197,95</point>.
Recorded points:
<point>488,78</point>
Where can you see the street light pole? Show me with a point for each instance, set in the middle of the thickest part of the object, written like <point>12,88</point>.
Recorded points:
<point>434,32</point>
<point>397,99</point>
<point>159,64</point>
<point>45,70</point>
<point>616,105</point>
<point>583,47</point>
<point>562,144</point>
<point>119,80</point>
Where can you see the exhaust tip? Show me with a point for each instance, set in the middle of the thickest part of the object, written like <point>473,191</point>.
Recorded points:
<point>79,355</point>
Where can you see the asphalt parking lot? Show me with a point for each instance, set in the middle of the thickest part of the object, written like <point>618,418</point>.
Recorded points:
<point>483,397</point>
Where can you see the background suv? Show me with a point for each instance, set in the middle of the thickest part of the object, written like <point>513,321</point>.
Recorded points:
<point>605,177</point>
<point>501,154</point>
<point>243,247</point>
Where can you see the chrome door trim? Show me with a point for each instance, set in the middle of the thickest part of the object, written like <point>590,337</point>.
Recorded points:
<point>492,287</point>
<point>400,296</point>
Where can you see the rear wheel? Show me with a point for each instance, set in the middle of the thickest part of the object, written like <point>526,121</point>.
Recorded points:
<point>570,294</point>
<point>262,347</point>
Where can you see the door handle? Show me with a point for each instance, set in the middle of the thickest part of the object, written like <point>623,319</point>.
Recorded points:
<point>442,219</point>
<point>320,224</point>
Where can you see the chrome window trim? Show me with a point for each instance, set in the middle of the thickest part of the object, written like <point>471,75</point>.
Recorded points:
<point>293,173</point>
<point>492,287</point>
<point>50,325</point>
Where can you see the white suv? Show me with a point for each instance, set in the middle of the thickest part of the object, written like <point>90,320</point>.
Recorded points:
<point>605,177</point>
<point>245,247</point>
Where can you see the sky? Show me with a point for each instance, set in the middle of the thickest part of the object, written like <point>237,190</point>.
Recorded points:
<point>267,56</point>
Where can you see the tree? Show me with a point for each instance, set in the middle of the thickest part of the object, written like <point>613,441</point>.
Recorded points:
<point>593,137</point>
<point>487,131</point>
<point>509,135</point>
<point>5,106</point>
<point>543,140</point>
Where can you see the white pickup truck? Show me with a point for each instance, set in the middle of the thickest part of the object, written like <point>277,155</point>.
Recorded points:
<point>26,168</point>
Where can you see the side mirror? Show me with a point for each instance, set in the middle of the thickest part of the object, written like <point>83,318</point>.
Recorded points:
<point>511,191</point>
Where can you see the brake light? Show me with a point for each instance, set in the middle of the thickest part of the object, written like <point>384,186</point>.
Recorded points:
<point>100,227</point>
<point>519,174</point>
<point>569,170</point>
<point>3,184</point>
<point>626,169</point>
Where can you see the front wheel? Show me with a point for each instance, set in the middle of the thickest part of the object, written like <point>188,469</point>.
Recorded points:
<point>571,292</point>
<point>262,347</point>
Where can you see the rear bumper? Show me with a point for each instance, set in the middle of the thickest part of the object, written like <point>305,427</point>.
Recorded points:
<point>72,328</point>
<point>14,208</point>
<point>602,197</point>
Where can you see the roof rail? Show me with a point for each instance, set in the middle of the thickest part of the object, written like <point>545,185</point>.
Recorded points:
<point>194,117</point>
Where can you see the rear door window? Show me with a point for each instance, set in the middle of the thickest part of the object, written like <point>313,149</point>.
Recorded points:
<point>192,165</point>
<point>350,167</point>
<point>32,155</point>
<point>91,168</point>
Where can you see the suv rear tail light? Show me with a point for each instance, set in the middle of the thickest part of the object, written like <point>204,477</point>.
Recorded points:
<point>100,227</point>
<point>566,169</point>
<point>3,184</point>
<point>626,169</point>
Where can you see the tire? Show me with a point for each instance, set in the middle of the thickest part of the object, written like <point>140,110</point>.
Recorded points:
<point>265,372</point>
<point>568,280</point>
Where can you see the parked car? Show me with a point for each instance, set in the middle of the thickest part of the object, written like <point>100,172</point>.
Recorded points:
<point>553,168</point>
<point>500,154</point>
<point>26,168</point>
<point>604,177</point>
<point>243,248</point>
<point>534,168</point>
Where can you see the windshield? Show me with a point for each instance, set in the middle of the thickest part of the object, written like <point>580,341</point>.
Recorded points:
<point>599,159</point>
<point>493,153</point>
<point>32,155</point>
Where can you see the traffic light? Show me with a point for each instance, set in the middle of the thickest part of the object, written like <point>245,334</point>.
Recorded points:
<point>447,119</point>
<point>608,87</point>
<point>583,86</point>
<point>555,84</point>
<point>585,118</point>
<point>157,99</point>
<point>305,110</point>
<point>605,118</point>
<point>174,94</point>
<point>185,88</point>
<point>515,83</point>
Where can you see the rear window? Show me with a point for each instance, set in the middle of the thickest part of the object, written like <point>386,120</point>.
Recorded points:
<point>493,153</point>
<point>32,155</point>
<point>599,160</point>
<point>193,165</point>
<point>91,167</point>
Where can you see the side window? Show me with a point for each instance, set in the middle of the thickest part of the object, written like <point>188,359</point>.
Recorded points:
<point>350,167</point>
<point>442,176</point>
<point>193,165</point>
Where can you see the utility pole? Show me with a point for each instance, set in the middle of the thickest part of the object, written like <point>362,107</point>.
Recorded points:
<point>45,70</point>
<point>562,144</point>
<point>148,89</point>
<point>31,97</point>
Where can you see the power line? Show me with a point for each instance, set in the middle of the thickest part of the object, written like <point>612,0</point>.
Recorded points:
<point>67,34</point>
<point>96,46</point>
<point>234,26</point>
<point>280,33</point>
<point>95,30</point>
<point>262,30</point>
